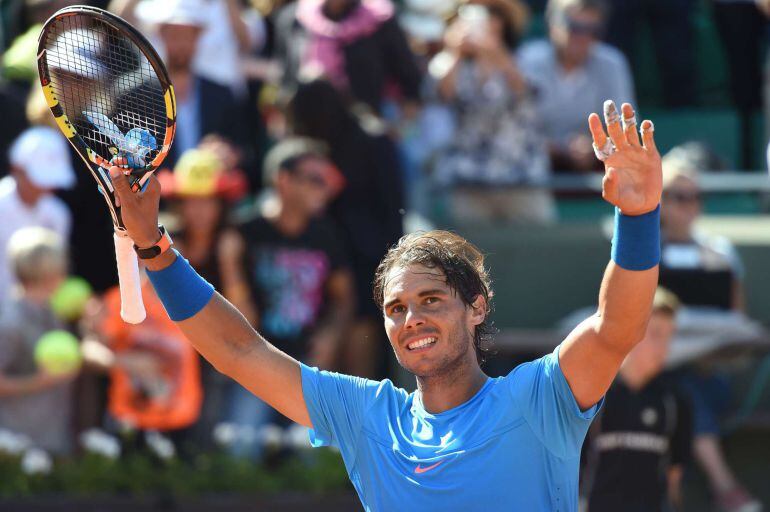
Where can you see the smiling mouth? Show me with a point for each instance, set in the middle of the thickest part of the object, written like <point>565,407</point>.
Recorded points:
<point>422,343</point>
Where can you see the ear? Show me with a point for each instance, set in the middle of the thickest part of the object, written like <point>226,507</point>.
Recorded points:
<point>478,310</point>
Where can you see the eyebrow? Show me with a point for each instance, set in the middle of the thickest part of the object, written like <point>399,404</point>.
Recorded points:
<point>424,293</point>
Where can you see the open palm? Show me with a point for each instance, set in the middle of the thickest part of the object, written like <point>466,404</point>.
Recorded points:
<point>633,174</point>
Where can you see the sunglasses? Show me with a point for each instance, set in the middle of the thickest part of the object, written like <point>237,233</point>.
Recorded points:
<point>586,29</point>
<point>683,197</point>
<point>313,179</point>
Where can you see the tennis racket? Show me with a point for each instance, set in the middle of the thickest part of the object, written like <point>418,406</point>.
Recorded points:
<point>111,97</point>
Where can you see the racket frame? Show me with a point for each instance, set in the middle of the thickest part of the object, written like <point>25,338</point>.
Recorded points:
<point>132,307</point>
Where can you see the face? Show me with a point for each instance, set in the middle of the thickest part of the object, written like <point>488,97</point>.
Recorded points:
<point>307,187</point>
<point>575,33</point>
<point>681,204</point>
<point>29,192</point>
<point>201,213</point>
<point>650,354</point>
<point>181,42</point>
<point>429,327</point>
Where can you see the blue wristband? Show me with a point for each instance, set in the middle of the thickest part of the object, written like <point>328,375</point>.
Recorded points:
<point>636,242</point>
<point>181,290</point>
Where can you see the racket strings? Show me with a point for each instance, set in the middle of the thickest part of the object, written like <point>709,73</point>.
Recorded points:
<point>106,86</point>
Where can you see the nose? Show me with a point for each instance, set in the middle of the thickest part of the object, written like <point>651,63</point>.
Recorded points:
<point>413,318</point>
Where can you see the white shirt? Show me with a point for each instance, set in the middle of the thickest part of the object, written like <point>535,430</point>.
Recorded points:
<point>49,212</point>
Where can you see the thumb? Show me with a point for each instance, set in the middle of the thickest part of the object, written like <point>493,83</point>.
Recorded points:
<point>120,184</point>
<point>610,185</point>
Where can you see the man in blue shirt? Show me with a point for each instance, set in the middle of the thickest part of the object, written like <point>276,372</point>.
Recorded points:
<point>462,441</point>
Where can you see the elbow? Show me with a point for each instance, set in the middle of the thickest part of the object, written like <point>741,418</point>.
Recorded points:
<point>621,338</point>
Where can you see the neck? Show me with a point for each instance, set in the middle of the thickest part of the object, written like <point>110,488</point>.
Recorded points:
<point>633,377</point>
<point>29,199</point>
<point>567,63</point>
<point>38,296</point>
<point>289,221</point>
<point>451,389</point>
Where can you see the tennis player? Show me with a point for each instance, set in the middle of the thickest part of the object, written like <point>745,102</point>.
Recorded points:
<point>462,441</point>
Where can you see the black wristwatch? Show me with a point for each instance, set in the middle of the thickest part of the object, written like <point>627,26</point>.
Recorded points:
<point>159,248</point>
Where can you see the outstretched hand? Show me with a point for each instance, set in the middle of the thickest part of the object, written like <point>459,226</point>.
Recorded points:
<point>139,210</point>
<point>633,176</point>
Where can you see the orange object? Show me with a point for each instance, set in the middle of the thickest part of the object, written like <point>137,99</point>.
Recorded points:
<point>155,383</point>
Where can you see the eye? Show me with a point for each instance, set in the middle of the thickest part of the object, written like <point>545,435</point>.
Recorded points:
<point>431,300</point>
<point>396,309</point>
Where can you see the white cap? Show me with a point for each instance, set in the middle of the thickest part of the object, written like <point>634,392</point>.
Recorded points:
<point>43,154</point>
<point>77,51</point>
<point>173,12</point>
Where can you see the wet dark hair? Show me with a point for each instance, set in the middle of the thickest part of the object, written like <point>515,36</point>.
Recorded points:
<point>460,261</point>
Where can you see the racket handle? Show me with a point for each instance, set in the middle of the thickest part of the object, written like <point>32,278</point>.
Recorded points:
<point>131,305</point>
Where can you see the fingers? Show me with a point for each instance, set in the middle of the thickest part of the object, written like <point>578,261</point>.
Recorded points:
<point>120,184</point>
<point>648,135</point>
<point>597,130</point>
<point>612,119</point>
<point>629,124</point>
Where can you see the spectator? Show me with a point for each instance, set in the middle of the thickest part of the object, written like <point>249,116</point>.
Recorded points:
<point>573,73</point>
<point>702,270</point>
<point>355,44</point>
<point>155,375</point>
<point>203,106</point>
<point>286,269</point>
<point>200,190</point>
<point>32,401</point>
<point>498,153</point>
<point>638,445</point>
<point>26,197</point>
<point>706,272</point>
<point>671,25</point>
<point>368,210</point>
<point>230,32</point>
<point>285,265</point>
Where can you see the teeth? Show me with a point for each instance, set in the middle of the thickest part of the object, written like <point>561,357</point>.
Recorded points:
<point>422,343</point>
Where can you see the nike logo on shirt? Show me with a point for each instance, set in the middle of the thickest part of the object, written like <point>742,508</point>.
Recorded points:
<point>419,470</point>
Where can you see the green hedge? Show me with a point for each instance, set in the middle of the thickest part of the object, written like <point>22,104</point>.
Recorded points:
<point>139,474</point>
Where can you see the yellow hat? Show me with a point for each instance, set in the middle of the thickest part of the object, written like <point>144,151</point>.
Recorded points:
<point>197,173</point>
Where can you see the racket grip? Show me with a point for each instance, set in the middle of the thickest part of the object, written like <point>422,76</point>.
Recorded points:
<point>131,304</point>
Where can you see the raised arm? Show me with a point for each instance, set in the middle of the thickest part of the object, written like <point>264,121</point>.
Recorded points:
<point>215,328</point>
<point>593,352</point>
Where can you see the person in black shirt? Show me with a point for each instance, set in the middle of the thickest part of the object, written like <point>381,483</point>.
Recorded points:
<point>285,270</point>
<point>639,443</point>
<point>284,266</point>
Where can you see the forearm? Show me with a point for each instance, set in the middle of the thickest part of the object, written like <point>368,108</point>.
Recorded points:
<point>239,27</point>
<point>19,386</point>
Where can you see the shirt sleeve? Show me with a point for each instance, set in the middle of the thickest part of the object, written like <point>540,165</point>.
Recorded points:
<point>545,399</point>
<point>337,405</point>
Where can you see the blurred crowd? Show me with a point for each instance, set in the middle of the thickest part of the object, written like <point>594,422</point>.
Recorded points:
<point>310,135</point>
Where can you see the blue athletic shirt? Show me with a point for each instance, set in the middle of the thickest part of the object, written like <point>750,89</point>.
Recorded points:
<point>514,446</point>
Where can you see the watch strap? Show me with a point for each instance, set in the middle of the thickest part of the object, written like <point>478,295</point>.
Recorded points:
<point>159,248</point>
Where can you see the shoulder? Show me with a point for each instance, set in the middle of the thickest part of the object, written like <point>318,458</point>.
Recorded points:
<point>537,51</point>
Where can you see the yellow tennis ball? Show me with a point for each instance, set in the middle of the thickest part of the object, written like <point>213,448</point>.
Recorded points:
<point>58,352</point>
<point>69,300</point>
